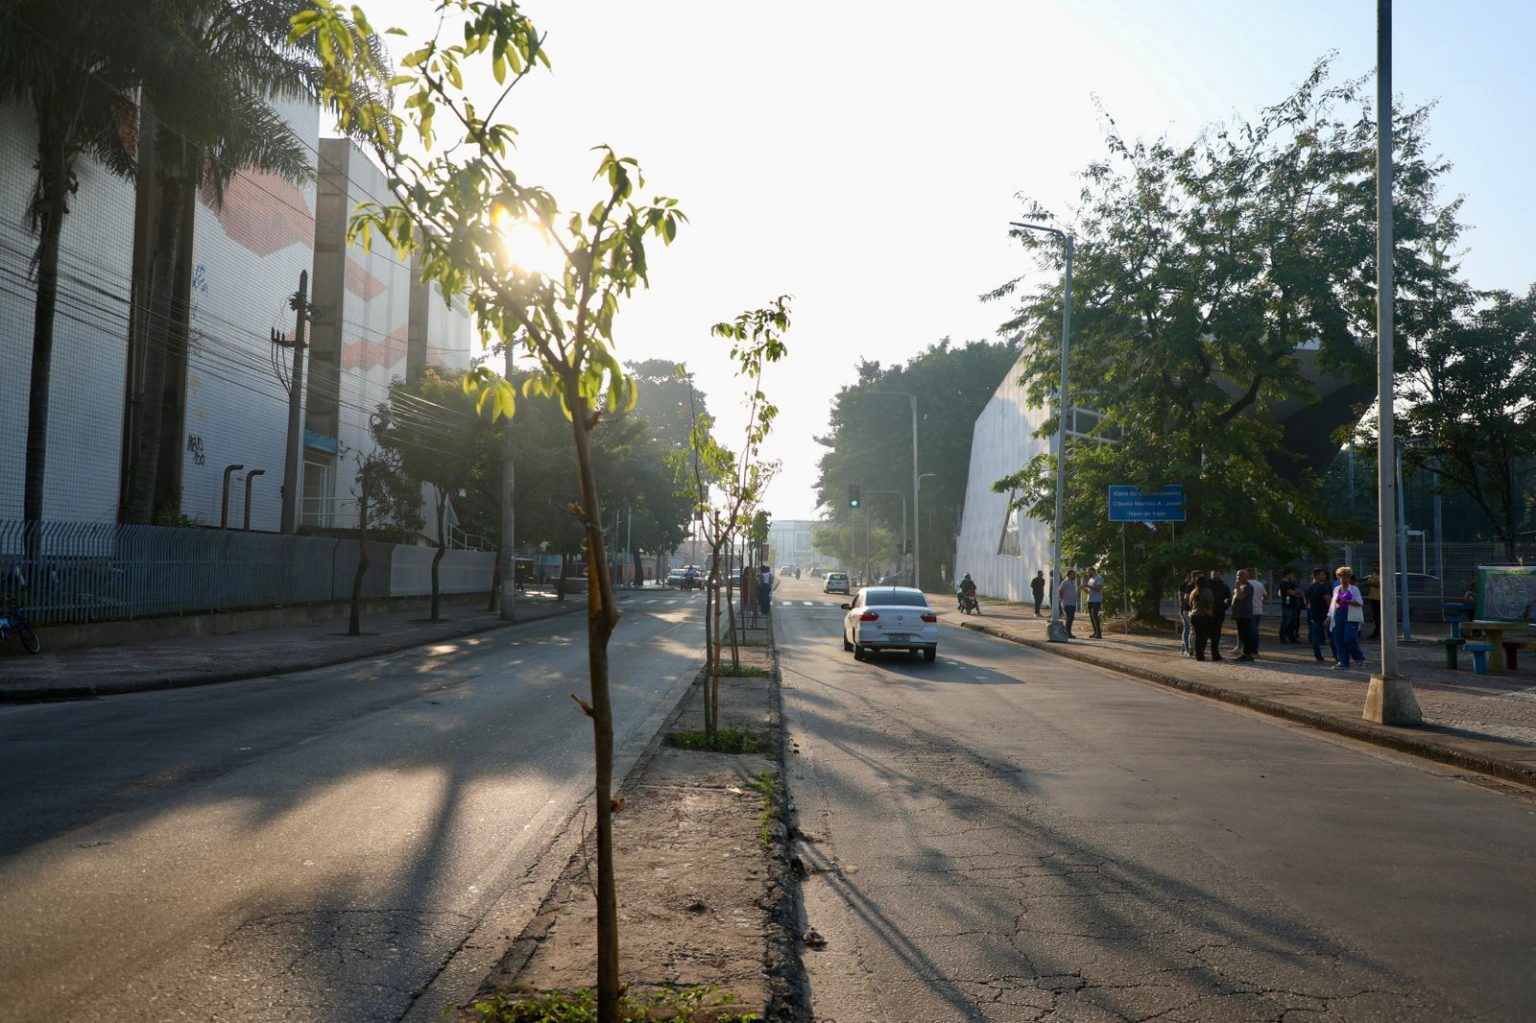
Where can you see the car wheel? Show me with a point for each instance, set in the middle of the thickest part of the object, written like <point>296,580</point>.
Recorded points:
<point>930,654</point>
<point>846,645</point>
<point>858,651</point>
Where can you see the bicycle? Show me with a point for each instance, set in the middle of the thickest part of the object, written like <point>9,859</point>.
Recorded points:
<point>10,619</point>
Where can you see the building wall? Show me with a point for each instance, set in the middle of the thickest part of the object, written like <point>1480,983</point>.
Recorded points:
<point>790,542</point>
<point>90,332</point>
<point>247,257</point>
<point>1002,442</point>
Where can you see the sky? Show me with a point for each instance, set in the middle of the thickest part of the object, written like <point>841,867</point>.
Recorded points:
<point>865,158</point>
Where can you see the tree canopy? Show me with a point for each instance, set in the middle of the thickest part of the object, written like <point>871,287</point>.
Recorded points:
<point>870,440</point>
<point>1220,286</point>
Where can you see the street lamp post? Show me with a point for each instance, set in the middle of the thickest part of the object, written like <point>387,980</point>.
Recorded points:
<point>917,579</point>
<point>1389,700</point>
<point>1056,631</point>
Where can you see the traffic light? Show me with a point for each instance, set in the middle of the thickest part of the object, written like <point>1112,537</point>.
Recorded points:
<point>853,495</point>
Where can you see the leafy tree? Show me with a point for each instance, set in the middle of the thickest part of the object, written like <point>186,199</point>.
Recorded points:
<point>870,441</point>
<point>450,207</point>
<point>208,75</point>
<point>756,338</point>
<point>435,432</point>
<point>1470,408</point>
<point>387,499</point>
<point>72,71</point>
<point>667,400</point>
<point>1201,270</point>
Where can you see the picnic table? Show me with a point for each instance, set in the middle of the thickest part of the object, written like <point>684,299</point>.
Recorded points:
<point>1494,633</point>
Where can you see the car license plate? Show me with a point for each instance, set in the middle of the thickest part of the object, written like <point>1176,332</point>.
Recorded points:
<point>900,637</point>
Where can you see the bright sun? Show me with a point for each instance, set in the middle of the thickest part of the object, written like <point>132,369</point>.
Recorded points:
<point>526,246</point>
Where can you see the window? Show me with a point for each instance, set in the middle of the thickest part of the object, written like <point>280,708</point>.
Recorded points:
<point>1008,543</point>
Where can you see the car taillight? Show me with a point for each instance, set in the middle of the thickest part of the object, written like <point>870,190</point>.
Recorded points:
<point>930,617</point>
<point>869,616</point>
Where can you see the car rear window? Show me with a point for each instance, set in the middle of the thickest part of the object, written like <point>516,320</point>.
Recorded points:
<point>894,598</point>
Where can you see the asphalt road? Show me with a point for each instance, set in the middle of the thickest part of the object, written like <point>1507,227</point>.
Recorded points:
<point>357,843</point>
<point>1008,835</point>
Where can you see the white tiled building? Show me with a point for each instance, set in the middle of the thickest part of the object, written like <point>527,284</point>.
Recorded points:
<point>373,321</point>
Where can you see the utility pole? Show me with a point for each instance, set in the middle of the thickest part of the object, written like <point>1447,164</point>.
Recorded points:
<point>293,453</point>
<point>508,555</point>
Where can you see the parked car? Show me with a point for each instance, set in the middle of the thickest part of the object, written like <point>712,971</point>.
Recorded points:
<point>837,582</point>
<point>676,577</point>
<point>890,618</point>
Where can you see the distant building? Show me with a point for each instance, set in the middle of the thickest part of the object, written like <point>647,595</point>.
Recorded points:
<point>789,541</point>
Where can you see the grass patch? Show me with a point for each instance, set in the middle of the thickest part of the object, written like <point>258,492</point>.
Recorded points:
<point>764,783</point>
<point>689,1005</point>
<point>735,739</point>
<point>743,671</point>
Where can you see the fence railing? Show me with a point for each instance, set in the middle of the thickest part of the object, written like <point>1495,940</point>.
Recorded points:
<point>85,571</point>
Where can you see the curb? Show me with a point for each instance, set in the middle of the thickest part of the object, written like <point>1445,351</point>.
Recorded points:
<point>1365,731</point>
<point>51,694</point>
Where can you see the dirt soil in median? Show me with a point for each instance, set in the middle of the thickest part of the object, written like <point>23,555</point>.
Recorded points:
<point>705,894</point>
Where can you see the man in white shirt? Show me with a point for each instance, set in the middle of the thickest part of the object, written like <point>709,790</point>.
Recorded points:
<point>1260,594</point>
<point>1094,586</point>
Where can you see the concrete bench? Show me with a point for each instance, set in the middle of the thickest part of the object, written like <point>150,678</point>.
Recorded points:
<point>1511,648</point>
<point>1479,652</point>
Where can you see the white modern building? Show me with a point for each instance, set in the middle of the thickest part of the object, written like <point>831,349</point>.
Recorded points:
<point>372,321</point>
<point>1003,548</point>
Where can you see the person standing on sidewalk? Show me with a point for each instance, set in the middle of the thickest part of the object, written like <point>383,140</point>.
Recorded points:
<point>1066,599</point>
<point>1094,584</point>
<point>1242,614</point>
<point>1260,595</point>
<point>1289,592</point>
<point>1221,593</point>
<point>1037,587</point>
<point>1370,589</point>
<point>1201,612</point>
<point>1186,587</point>
<point>1318,596</point>
<point>1348,613</point>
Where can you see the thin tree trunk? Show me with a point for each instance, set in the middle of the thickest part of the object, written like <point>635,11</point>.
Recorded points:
<point>437,557</point>
<point>495,600</point>
<point>602,617</point>
<point>51,208</point>
<point>157,348</point>
<point>355,619</point>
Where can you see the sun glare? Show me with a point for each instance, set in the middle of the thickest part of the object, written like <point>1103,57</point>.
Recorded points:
<point>526,246</point>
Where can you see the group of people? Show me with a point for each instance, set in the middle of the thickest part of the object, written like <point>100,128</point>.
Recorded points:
<point>756,589</point>
<point>1089,588</point>
<point>1334,613</point>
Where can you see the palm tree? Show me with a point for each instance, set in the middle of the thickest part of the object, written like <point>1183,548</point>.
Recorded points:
<point>209,72</point>
<point>69,69</point>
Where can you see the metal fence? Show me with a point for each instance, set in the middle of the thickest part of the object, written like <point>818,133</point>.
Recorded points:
<point>84,571</point>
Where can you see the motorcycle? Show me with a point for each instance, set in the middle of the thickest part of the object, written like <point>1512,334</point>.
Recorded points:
<point>968,603</point>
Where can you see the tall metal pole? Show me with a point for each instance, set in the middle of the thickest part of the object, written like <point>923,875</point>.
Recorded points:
<point>917,579</point>
<point>293,457</point>
<point>507,607</point>
<point>1389,700</point>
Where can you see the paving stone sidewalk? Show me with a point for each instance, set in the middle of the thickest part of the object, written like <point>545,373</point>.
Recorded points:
<point>198,660</point>
<point>1484,723</point>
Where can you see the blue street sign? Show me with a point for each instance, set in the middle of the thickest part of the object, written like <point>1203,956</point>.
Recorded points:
<point>1133,504</point>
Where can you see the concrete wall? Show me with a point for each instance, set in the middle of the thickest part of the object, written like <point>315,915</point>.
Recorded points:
<point>1002,442</point>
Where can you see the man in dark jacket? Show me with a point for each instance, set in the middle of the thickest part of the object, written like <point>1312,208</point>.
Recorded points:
<point>1221,594</point>
<point>1318,595</point>
<point>1037,587</point>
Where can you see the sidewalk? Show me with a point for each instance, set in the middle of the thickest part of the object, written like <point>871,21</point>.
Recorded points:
<point>1483,723</point>
<point>88,672</point>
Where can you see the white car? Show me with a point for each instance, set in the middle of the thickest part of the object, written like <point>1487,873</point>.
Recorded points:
<point>890,618</point>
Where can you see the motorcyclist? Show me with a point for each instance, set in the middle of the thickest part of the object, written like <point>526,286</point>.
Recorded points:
<point>967,591</point>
